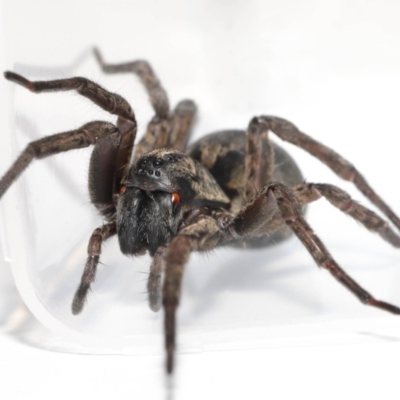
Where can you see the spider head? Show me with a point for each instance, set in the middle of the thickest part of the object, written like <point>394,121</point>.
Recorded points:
<point>163,170</point>
<point>170,171</point>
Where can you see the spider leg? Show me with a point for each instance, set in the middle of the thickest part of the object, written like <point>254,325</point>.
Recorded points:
<point>343,168</point>
<point>203,235</point>
<point>279,196</point>
<point>111,102</point>
<point>163,130</point>
<point>172,132</point>
<point>108,165</point>
<point>86,135</point>
<point>308,192</point>
<point>154,282</point>
<point>109,159</point>
<point>94,250</point>
<point>158,129</point>
<point>259,161</point>
<point>158,95</point>
<point>181,124</point>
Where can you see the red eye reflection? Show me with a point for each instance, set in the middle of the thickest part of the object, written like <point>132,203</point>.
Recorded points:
<point>122,189</point>
<point>175,198</point>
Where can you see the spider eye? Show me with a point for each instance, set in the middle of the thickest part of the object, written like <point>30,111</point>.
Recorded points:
<point>175,198</point>
<point>158,163</point>
<point>122,189</point>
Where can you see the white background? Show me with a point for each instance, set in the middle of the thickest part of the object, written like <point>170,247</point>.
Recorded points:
<point>251,324</point>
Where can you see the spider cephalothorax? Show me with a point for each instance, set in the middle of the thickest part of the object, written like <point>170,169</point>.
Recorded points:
<point>171,171</point>
<point>229,188</point>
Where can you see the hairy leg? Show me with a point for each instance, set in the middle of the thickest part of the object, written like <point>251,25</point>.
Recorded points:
<point>154,282</point>
<point>172,132</point>
<point>94,250</point>
<point>158,95</point>
<point>111,102</point>
<point>164,130</point>
<point>85,136</point>
<point>259,159</point>
<point>278,196</point>
<point>109,159</point>
<point>308,192</point>
<point>181,124</point>
<point>203,235</point>
<point>159,128</point>
<point>290,133</point>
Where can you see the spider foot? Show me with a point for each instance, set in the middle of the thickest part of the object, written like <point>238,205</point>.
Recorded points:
<point>79,300</point>
<point>384,306</point>
<point>170,335</point>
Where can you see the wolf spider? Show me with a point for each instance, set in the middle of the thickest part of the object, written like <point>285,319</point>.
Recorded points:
<point>229,188</point>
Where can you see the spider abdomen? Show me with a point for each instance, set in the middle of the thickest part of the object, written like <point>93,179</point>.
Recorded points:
<point>223,153</point>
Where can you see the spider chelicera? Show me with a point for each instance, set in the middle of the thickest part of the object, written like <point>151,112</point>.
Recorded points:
<point>229,188</point>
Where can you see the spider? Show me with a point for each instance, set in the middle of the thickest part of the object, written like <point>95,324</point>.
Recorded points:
<point>168,199</point>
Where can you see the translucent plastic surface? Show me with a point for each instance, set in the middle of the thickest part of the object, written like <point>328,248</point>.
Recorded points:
<point>231,298</point>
